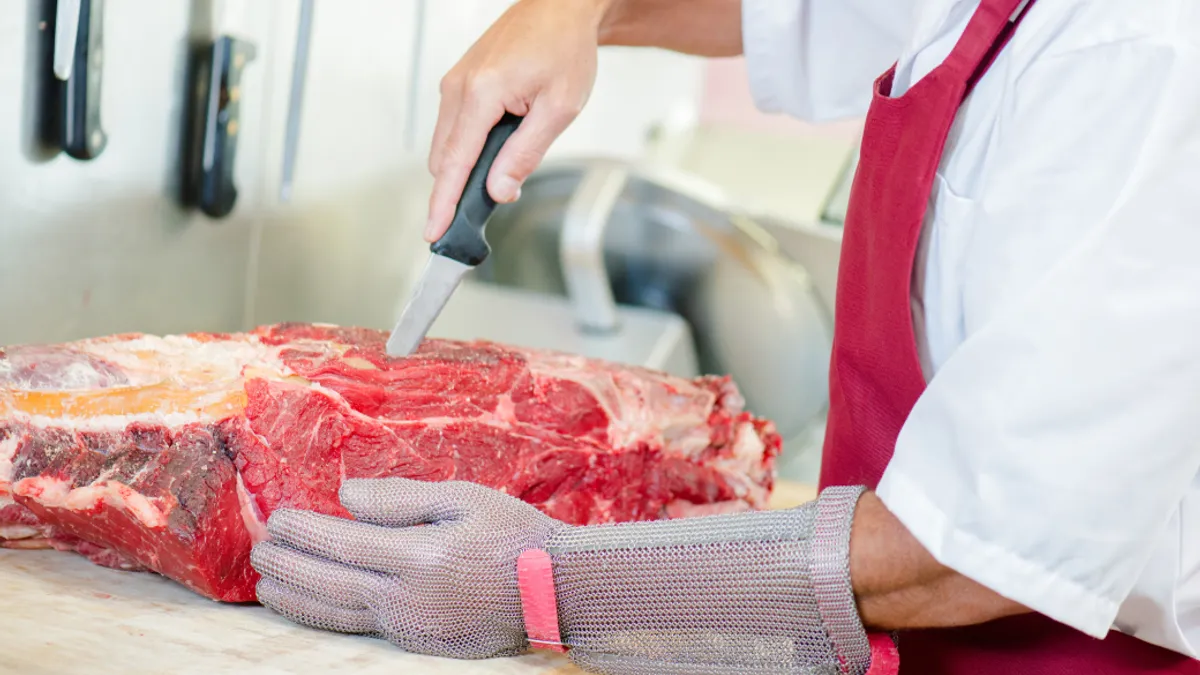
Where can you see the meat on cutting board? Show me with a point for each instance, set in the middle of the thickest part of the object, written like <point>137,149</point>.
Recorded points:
<point>167,454</point>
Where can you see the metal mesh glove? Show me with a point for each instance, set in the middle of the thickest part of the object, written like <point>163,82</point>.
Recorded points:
<point>430,567</point>
<point>747,593</point>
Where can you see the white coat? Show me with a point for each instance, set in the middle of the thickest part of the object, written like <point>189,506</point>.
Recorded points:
<point>1055,455</point>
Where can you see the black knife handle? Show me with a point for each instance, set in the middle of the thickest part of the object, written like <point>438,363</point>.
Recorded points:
<point>82,135</point>
<point>465,241</point>
<point>217,191</point>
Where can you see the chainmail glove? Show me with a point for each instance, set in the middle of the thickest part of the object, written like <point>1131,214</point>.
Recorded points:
<point>432,567</point>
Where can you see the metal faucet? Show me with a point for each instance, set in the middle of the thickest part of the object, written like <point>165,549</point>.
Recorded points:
<point>581,247</point>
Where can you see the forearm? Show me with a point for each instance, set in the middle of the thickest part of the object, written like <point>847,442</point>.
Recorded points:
<point>899,585</point>
<point>700,27</point>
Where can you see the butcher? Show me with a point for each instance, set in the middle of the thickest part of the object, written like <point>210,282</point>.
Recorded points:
<point>1009,481</point>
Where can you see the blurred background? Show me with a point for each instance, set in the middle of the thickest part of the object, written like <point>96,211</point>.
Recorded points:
<point>202,165</point>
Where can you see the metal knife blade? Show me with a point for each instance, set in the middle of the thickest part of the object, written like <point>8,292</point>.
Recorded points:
<point>66,35</point>
<point>291,144</point>
<point>459,250</point>
<point>433,290</point>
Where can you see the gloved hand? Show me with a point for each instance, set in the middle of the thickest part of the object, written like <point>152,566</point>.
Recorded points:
<point>432,567</point>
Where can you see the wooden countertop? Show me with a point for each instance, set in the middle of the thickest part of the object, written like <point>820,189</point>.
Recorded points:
<point>63,615</point>
<point>788,495</point>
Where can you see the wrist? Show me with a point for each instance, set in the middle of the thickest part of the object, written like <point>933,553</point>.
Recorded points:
<point>608,17</point>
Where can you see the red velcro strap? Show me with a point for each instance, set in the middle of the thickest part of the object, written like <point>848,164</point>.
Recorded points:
<point>885,657</point>
<point>535,577</point>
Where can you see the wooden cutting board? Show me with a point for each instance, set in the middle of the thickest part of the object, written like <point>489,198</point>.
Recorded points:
<point>62,615</point>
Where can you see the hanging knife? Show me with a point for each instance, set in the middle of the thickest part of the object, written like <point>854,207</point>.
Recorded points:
<point>214,116</point>
<point>78,61</point>
<point>414,78</point>
<point>460,250</point>
<point>218,191</point>
<point>291,144</point>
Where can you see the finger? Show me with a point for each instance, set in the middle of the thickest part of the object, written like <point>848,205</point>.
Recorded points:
<point>548,118</point>
<point>448,107</point>
<point>461,151</point>
<point>370,547</point>
<point>401,502</point>
<point>338,585</point>
<point>308,611</point>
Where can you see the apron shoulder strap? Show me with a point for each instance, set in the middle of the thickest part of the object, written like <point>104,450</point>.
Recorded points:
<point>986,34</point>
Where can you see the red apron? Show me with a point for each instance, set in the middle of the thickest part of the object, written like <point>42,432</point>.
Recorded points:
<point>876,377</point>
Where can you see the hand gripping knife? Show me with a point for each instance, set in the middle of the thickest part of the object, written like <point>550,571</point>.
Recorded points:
<point>457,252</point>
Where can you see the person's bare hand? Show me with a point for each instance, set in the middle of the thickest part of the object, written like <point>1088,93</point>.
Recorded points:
<point>538,60</point>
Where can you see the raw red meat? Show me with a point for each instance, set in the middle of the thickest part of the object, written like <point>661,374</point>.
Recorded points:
<point>167,454</point>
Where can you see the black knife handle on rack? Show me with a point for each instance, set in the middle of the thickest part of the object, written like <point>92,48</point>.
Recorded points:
<point>81,133</point>
<point>465,241</point>
<point>212,186</point>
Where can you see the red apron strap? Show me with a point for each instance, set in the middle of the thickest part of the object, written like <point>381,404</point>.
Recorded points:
<point>985,36</point>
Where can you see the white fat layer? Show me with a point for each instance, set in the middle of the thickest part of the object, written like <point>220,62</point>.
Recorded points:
<point>211,369</point>
<point>8,450</point>
<point>57,493</point>
<point>256,525</point>
<point>144,359</point>
<point>743,467</point>
<point>748,449</point>
<point>746,453</point>
<point>12,532</point>
<point>506,410</point>
<point>113,422</point>
<point>80,375</point>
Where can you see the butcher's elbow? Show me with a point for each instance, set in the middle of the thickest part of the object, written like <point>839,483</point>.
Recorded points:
<point>947,603</point>
<point>899,585</point>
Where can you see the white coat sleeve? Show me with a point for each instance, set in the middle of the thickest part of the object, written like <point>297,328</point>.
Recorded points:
<point>817,59</point>
<point>1053,447</point>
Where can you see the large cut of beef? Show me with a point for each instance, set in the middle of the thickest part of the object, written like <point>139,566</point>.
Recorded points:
<point>167,454</point>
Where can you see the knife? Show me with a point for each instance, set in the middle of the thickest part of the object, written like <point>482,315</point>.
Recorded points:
<point>291,143</point>
<point>78,66</point>
<point>463,247</point>
<point>214,96</point>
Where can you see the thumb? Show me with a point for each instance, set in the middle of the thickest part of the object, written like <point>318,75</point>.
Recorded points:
<point>400,502</point>
<point>547,119</point>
